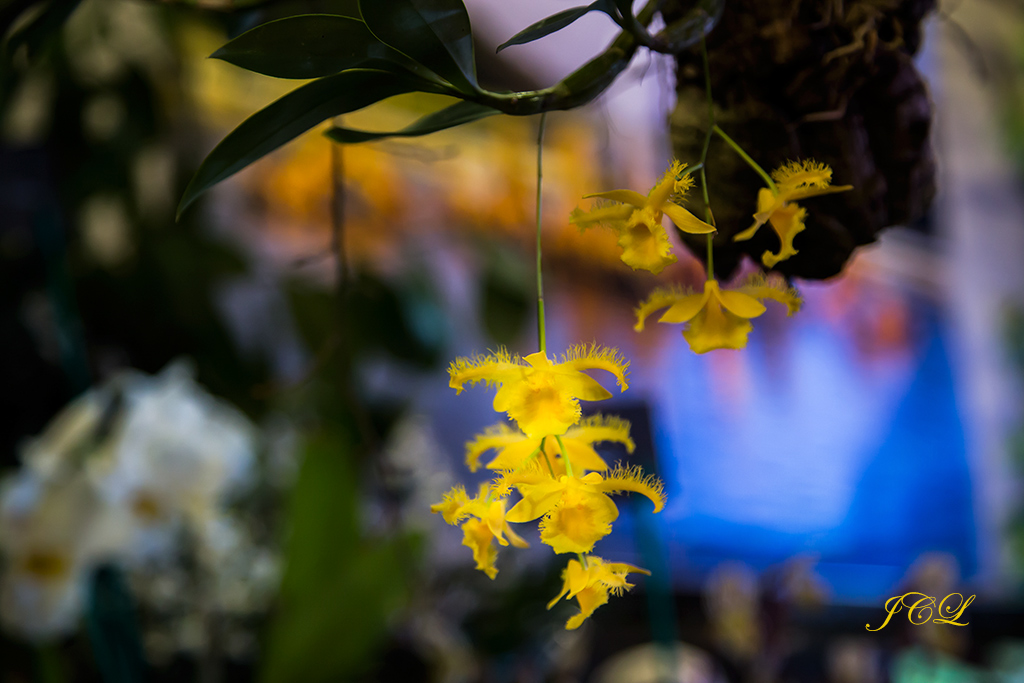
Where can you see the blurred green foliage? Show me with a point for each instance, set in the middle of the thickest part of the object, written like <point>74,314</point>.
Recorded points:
<point>339,589</point>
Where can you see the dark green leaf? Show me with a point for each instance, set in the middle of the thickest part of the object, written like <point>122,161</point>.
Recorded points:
<point>556,22</point>
<point>292,115</point>
<point>625,7</point>
<point>435,33</point>
<point>449,117</point>
<point>306,46</point>
<point>694,25</point>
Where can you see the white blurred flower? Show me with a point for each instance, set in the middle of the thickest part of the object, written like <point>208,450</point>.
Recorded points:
<point>180,454</point>
<point>52,533</point>
<point>118,475</point>
<point>82,431</point>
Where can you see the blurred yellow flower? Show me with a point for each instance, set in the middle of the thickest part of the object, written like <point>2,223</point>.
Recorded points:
<point>637,219</point>
<point>515,448</point>
<point>486,523</point>
<point>577,512</point>
<point>541,396</point>
<point>795,180</point>
<point>717,318</point>
<point>591,583</point>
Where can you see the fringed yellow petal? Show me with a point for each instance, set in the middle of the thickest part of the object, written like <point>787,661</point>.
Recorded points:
<point>453,505</point>
<point>761,287</point>
<point>645,244</point>
<point>666,187</point>
<point>660,298</point>
<point>580,520</point>
<point>540,405</point>
<point>807,173</point>
<point>683,180</point>
<point>530,474</point>
<point>515,455</point>
<point>633,479</point>
<point>495,437</point>
<point>594,357</point>
<point>597,428</point>
<point>578,441</point>
<point>613,576</point>
<point>492,368</point>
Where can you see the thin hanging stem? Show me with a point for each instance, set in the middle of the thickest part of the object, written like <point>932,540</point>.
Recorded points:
<point>708,216</point>
<point>546,458</point>
<point>344,294</point>
<point>746,157</point>
<point>565,456</point>
<point>541,334</point>
<point>711,257</point>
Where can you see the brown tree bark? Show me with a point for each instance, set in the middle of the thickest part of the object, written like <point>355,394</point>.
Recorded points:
<point>829,80</point>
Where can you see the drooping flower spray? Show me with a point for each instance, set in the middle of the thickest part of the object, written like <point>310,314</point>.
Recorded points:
<point>548,458</point>
<point>716,317</point>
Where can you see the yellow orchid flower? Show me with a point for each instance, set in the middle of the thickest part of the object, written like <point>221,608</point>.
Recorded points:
<point>717,318</point>
<point>577,512</point>
<point>794,180</point>
<point>541,396</point>
<point>515,448</point>
<point>636,219</point>
<point>486,523</point>
<point>591,583</point>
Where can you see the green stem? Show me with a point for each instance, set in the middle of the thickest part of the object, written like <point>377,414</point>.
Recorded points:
<point>546,458</point>
<point>531,456</point>
<point>711,257</point>
<point>541,335</point>
<point>565,456</point>
<point>583,559</point>
<point>709,218</point>
<point>746,157</point>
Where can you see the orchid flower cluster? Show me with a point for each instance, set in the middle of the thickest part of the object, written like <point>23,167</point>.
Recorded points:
<point>714,318</point>
<point>549,458</point>
<point>551,461</point>
<point>118,476</point>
